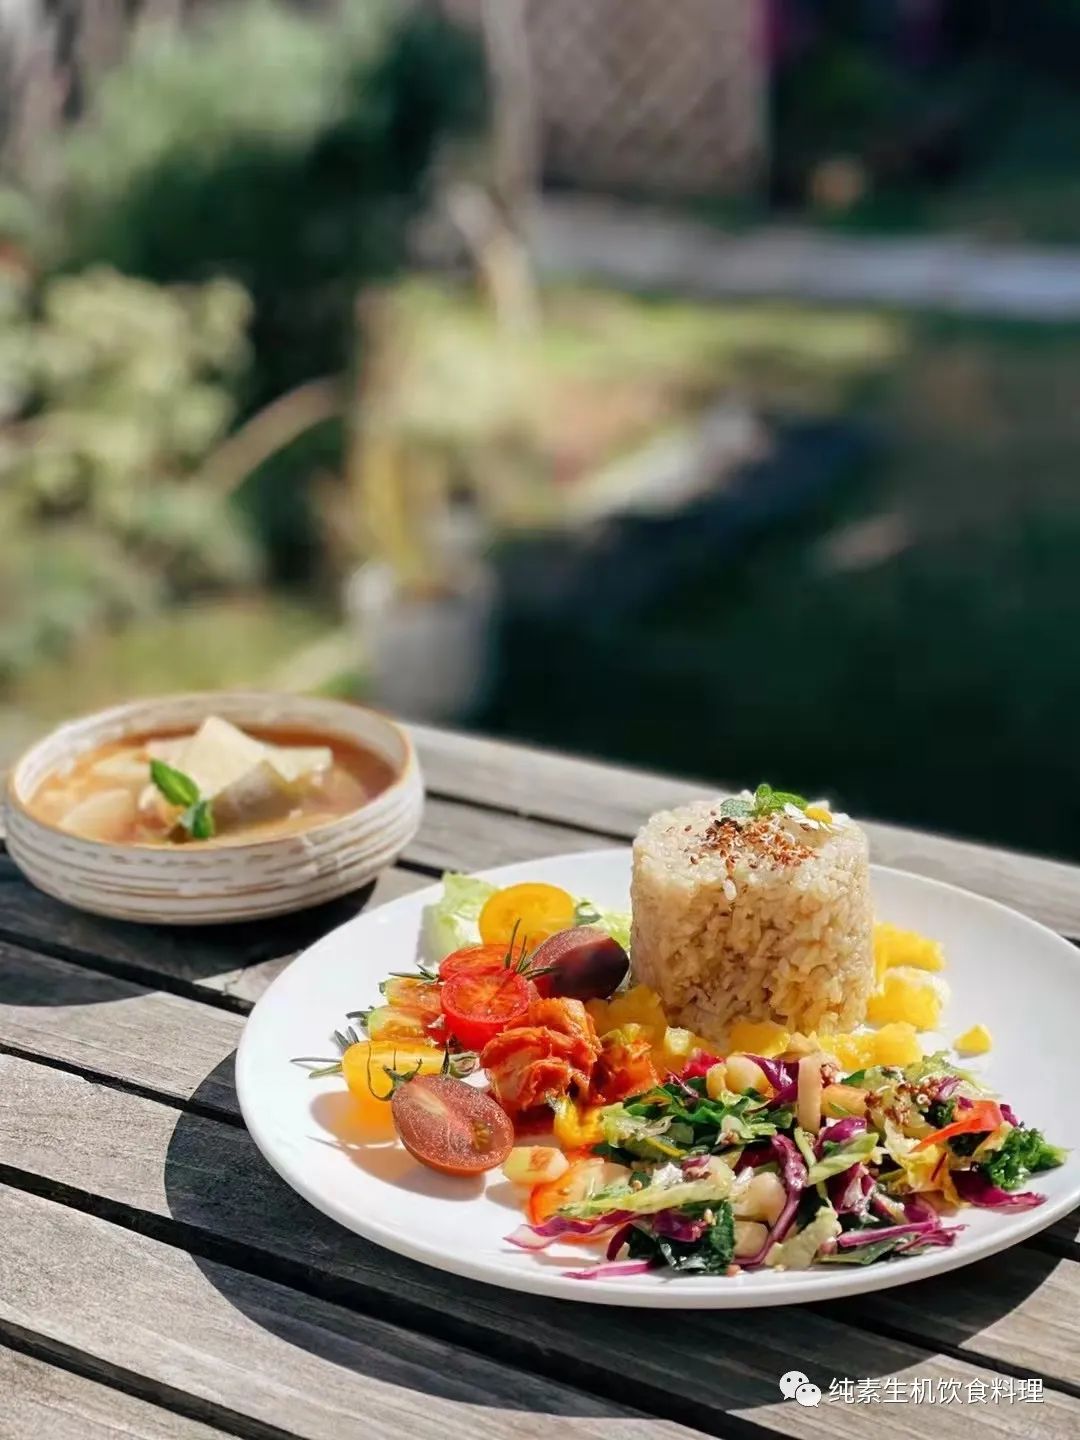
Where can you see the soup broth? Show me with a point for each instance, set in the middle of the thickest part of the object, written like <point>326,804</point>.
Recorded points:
<point>233,787</point>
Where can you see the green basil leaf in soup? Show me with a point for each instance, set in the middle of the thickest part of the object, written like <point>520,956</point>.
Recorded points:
<point>178,788</point>
<point>198,820</point>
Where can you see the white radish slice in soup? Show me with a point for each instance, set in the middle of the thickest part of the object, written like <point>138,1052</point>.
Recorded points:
<point>108,815</point>
<point>127,768</point>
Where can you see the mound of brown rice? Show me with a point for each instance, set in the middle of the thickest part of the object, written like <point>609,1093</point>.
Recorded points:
<point>758,919</point>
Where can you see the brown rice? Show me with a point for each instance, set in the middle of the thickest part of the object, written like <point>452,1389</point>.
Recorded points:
<point>760,919</point>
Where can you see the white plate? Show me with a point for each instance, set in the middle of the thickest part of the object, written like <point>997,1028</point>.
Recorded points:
<point>1004,970</point>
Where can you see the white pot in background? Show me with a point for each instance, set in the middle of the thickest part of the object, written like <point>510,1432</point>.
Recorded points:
<point>427,655</point>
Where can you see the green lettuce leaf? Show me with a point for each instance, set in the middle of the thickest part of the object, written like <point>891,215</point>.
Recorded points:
<point>668,1191</point>
<point>841,1157</point>
<point>641,1137</point>
<point>615,923</point>
<point>799,1251</point>
<point>453,920</point>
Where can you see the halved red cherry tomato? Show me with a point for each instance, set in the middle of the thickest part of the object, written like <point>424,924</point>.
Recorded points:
<point>536,910</point>
<point>479,1004</point>
<point>416,997</point>
<point>451,1126</point>
<point>471,959</point>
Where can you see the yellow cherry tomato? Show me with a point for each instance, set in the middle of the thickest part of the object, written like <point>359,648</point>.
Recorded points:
<point>537,910</point>
<point>364,1067</point>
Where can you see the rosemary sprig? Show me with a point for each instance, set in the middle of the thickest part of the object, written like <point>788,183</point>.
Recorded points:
<point>422,972</point>
<point>523,965</point>
<point>456,1061</point>
<point>346,1038</point>
<point>331,1068</point>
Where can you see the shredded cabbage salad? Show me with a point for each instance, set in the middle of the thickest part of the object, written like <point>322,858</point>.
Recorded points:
<point>718,1182</point>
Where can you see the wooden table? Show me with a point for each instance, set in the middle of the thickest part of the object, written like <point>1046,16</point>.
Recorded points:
<point>157,1280</point>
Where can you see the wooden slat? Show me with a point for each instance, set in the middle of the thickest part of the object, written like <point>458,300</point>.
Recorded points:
<point>615,799</point>
<point>1019,1309</point>
<point>208,1176</point>
<point>541,783</point>
<point>244,984</point>
<point>455,835</point>
<point>213,955</point>
<point>266,1353</point>
<point>116,1028</point>
<point>41,1400</point>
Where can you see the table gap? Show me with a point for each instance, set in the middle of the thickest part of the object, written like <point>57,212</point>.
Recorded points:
<point>127,1087</point>
<point>903,1336</point>
<point>146,976</point>
<point>140,1387</point>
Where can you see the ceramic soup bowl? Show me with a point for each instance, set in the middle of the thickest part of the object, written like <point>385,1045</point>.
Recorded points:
<point>198,885</point>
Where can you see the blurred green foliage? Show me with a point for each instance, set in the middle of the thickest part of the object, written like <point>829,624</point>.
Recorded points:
<point>208,224</point>
<point>112,391</point>
<point>270,146</point>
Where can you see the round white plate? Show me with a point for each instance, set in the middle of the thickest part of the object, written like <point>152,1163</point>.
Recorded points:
<point>1018,978</point>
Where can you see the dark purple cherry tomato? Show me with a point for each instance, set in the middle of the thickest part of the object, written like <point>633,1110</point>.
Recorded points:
<point>584,963</point>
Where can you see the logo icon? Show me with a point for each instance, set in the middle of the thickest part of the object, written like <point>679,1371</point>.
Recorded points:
<point>794,1385</point>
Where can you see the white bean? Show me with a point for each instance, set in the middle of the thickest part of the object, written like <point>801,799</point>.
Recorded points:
<point>716,1080</point>
<point>749,1238</point>
<point>763,1198</point>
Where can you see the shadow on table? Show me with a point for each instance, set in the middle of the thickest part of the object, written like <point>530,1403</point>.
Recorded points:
<point>310,1281</point>
<point>31,920</point>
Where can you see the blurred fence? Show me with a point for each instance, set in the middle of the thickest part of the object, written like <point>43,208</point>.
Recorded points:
<point>660,97</point>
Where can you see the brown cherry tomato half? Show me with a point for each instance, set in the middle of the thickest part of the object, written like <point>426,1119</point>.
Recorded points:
<point>479,1005</point>
<point>451,1126</point>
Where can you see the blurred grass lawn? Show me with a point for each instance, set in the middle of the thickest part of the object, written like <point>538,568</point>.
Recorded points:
<point>212,645</point>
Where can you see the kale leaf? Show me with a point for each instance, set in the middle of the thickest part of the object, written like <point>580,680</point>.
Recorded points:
<point>678,1119</point>
<point>711,1255</point>
<point>941,1113</point>
<point>1023,1153</point>
<point>969,1143</point>
<point>862,1254</point>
